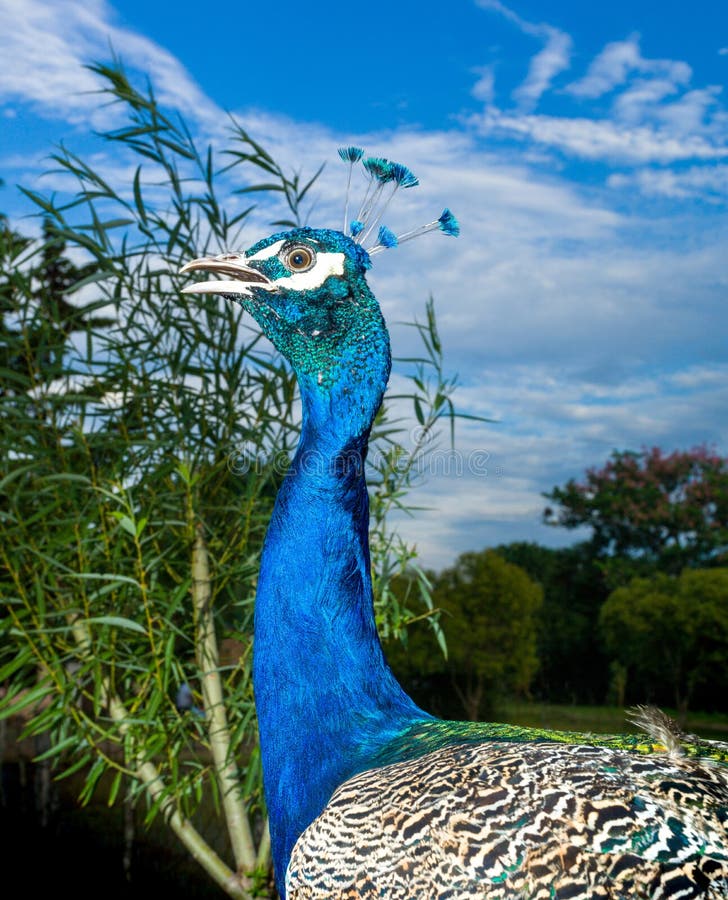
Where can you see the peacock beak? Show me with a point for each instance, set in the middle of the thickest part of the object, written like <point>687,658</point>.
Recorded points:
<point>231,266</point>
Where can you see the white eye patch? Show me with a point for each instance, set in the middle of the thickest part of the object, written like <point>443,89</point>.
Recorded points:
<point>326,264</point>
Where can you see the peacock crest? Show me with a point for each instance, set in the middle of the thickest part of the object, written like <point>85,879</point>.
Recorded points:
<point>384,179</point>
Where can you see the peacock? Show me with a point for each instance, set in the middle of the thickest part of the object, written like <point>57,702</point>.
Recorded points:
<point>368,795</point>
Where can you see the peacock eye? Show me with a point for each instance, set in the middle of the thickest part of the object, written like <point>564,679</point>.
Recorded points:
<point>299,258</point>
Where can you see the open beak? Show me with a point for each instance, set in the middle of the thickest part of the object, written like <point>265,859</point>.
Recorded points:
<point>241,277</point>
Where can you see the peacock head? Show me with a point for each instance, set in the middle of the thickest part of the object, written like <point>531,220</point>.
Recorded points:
<point>306,288</point>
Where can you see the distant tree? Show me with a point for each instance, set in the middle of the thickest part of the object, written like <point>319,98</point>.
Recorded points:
<point>650,511</point>
<point>489,609</point>
<point>36,318</point>
<point>489,621</point>
<point>573,667</point>
<point>671,635</point>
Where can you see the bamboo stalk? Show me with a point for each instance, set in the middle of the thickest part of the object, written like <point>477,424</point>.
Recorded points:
<point>263,860</point>
<point>236,817</point>
<point>198,848</point>
<point>149,775</point>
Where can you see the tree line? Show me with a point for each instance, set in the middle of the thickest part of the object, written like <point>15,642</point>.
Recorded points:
<point>637,613</point>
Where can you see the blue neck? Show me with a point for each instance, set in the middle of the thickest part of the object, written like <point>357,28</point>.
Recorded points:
<point>325,697</point>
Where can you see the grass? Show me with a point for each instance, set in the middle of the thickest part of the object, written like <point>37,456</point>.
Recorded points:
<point>601,719</point>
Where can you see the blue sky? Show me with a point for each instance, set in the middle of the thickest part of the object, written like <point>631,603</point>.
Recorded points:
<point>584,149</point>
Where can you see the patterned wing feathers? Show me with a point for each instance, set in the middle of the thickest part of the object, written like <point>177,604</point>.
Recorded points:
<point>536,821</point>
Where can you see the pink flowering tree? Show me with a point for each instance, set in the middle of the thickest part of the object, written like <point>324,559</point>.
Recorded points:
<point>650,510</point>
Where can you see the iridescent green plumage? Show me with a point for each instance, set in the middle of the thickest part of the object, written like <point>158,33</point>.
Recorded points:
<point>426,737</point>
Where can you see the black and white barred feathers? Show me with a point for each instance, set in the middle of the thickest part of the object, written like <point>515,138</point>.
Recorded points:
<point>533,821</point>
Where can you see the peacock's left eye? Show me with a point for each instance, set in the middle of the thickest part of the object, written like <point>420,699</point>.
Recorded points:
<point>299,258</point>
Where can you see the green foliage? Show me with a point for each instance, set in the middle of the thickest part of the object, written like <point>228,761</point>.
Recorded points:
<point>671,634</point>
<point>573,667</point>
<point>489,609</point>
<point>142,462</point>
<point>394,472</point>
<point>650,511</point>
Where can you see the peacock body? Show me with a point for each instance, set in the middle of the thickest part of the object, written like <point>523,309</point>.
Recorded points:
<point>368,795</point>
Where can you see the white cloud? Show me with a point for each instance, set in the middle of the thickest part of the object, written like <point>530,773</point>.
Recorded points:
<point>601,139</point>
<point>546,64</point>
<point>689,114</point>
<point>49,45</point>
<point>609,69</point>
<point>705,182</point>
<point>641,98</point>
<point>652,117</point>
<point>484,87</point>
<point>618,60</point>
